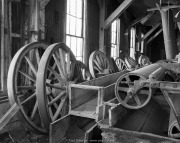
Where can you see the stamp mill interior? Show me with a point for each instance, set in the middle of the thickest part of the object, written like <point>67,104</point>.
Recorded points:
<point>90,71</point>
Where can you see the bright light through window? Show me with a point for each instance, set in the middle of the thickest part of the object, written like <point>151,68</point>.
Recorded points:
<point>74,27</point>
<point>142,43</point>
<point>114,39</point>
<point>132,42</point>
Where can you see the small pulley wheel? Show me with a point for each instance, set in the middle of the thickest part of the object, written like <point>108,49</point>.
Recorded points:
<point>129,92</point>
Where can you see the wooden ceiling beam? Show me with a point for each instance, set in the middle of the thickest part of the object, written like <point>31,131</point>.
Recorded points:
<point>125,4</point>
<point>167,7</point>
<point>154,36</point>
<point>147,17</point>
<point>142,20</point>
<point>150,31</point>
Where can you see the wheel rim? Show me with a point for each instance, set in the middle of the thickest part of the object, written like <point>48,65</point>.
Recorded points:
<point>82,68</point>
<point>54,74</point>
<point>98,64</point>
<point>143,60</point>
<point>121,64</point>
<point>130,96</point>
<point>130,62</point>
<point>24,66</point>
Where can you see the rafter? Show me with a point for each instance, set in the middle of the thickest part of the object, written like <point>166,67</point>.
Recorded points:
<point>142,20</point>
<point>154,36</point>
<point>125,4</point>
<point>150,31</point>
<point>167,7</point>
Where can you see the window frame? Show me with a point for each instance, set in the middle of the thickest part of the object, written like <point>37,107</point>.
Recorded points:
<point>78,55</point>
<point>132,42</point>
<point>115,42</point>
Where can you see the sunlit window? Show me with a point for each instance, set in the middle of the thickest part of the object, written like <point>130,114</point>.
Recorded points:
<point>132,42</point>
<point>114,39</point>
<point>74,27</point>
<point>142,43</point>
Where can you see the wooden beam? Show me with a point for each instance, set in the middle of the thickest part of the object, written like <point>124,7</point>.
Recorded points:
<point>99,3</point>
<point>2,44</point>
<point>155,35</point>
<point>86,51</point>
<point>34,19</point>
<point>147,17</point>
<point>101,27</point>
<point>8,116</point>
<point>142,20</point>
<point>125,4</point>
<point>164,7</point>
<point>150,31</point>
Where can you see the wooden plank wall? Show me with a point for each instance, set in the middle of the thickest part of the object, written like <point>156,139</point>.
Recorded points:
<point>55,12</point>
<point>55,25</point>
<point>92,27</point>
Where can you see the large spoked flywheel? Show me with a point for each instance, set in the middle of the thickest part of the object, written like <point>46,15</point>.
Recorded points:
<point>121,64</point>
<point>54,75</point>
<point>21,84</point>
<point>130,94</point>
<point>99,64</point>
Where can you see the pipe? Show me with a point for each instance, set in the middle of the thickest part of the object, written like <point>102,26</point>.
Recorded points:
<point>169,34</point>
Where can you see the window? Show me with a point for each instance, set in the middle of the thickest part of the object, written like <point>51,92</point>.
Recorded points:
<point>114,39</point>
<point>74,27</point>
<point>142,43</point>
<point>132,42</point>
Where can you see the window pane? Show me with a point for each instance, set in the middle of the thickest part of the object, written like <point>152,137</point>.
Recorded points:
<point>73,7</point>
<point>67,24</point>
<point>79,8</point>
<point>68,41</point>
<point>114,26</point>
<point>79,27</point>
<point>68,6</point>
<point>142,43</point>
<point>73,45</point>
<point>79,58</point>
<point>113,38</point>
<point>79,47</point>
<point>72,25</point>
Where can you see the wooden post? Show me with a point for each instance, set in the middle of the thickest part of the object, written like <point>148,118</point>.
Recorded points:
<point>101,26</point>
<point>86,43</point>
<point>5,45</point>
<point>2,44</point>
<point>34,20</point>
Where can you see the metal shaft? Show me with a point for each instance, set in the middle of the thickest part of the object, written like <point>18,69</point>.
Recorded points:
<point>169,34</point>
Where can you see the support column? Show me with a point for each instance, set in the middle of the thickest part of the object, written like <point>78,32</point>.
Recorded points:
<point>34,20</point>
<point>86,43</point>
<point>169,34</point>
<point>102,47</point>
